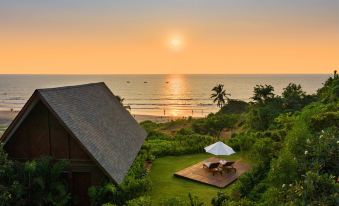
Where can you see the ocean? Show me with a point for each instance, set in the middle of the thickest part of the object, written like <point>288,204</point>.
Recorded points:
<point>169,95</point>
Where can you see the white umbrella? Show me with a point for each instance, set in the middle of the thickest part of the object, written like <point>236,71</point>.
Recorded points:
<point>219,148</point>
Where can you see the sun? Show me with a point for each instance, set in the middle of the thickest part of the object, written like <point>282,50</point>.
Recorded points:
<point>175,43</point>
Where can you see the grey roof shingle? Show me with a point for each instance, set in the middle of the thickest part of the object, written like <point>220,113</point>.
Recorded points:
<point>97,119</point>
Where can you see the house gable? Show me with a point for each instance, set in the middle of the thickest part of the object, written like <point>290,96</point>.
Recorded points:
<point>41,134</point>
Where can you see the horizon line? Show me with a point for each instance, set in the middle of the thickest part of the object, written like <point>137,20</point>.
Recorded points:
<point>86,74</point>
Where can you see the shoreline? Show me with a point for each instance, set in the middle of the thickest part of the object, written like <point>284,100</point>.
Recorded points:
<point>6,117</point>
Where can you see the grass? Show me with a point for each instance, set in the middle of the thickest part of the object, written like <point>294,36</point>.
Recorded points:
<point>2,129</point>
<point>165,185</point>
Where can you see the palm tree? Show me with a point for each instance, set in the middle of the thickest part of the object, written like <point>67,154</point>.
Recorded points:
<point>262,93</point>
<point>220,95</point>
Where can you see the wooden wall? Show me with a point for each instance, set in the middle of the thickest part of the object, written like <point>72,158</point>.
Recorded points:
<point>41,134</point>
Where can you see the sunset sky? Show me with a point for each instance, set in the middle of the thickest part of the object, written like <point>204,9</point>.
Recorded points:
<point>177,36</point>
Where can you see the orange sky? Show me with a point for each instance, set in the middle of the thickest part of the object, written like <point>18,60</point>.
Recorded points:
<point>76,41</point>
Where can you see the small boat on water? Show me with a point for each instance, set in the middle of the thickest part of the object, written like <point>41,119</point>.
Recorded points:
<point>128,82</point>
<point>145,82</point>
<point>167,82</point>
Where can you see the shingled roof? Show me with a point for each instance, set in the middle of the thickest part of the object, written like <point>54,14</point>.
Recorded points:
<point>94,116</point>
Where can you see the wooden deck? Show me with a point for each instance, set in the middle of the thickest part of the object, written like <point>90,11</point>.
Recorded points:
<point>199,174</point>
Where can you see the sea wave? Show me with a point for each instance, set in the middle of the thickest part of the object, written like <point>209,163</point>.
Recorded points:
<point>157,108</point>
<point>13,98</point>
<point>178,99</point>
<point>168,104</point>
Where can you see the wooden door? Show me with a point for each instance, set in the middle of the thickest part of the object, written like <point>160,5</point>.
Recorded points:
<point>81,181</point>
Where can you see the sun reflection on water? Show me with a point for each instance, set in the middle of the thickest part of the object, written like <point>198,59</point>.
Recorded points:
<point>174,91</point>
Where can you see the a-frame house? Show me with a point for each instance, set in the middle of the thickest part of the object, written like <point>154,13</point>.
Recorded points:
<point>84,124</point>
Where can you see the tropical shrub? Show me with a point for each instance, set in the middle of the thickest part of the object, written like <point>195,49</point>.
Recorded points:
<point>251,179</point>
<point>233,106</point>
<point>45,183</point>
<point>219,199</point>
<point>140,201</point>
<point>242,141</point>
<point>135,185</point>
<point>37,182</point>
<point>264,149</point>
<point>330,91</point>
<point>313,189</point>
<point>214,124</point>
<point>293,97</point>
<point>284,170</point>
<point>295,147</point>
<point>325,119</point>
<point>11,190</point>
<point>149,126</point>
<point>103,194</point>
<point>261,116</point>
<point>263,93</point>
<point>177,145</point>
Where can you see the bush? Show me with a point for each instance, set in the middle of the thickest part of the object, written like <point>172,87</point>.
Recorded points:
<point>330,91</point>
<point>11,190</point>
<point>233,106</point>
<point>284,170</point>
<point>314,189</point>
<point>149,126</point>
<point>323,152</point>
<point>220,199</point>
<point>178,145</point>
<point>275,134</point>
<point>140,201</point>
<point>242,141</point>
<point>38,182</point>
<point>252,178</point>
<point>294,97</point>
<point>136,184</point>
<point>107,193</point>
<point>214,124</point>
<point>185,131</point>
<point>265,149</point>
<point>323,120</point>
<point>261,116</point>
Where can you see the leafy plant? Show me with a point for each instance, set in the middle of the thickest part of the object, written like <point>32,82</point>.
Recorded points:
<point>262,93</point>
<point>220,96</point>
<point>37,182</point>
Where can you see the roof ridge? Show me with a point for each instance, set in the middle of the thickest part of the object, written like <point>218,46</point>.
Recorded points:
<point>71,86</point>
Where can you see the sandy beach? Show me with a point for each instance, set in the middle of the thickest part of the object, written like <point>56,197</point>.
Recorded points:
<point>6,117</point>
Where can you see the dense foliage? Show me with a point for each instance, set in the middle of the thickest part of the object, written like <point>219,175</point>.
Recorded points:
<point>37,182</point>
<point>234,106</point>
<point>294,140</point>
<point>135,186</point>
<point>330,91</point>
<point>215,123</point>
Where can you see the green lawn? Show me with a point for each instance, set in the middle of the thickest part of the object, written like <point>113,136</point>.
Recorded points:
<point>165,185</point>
